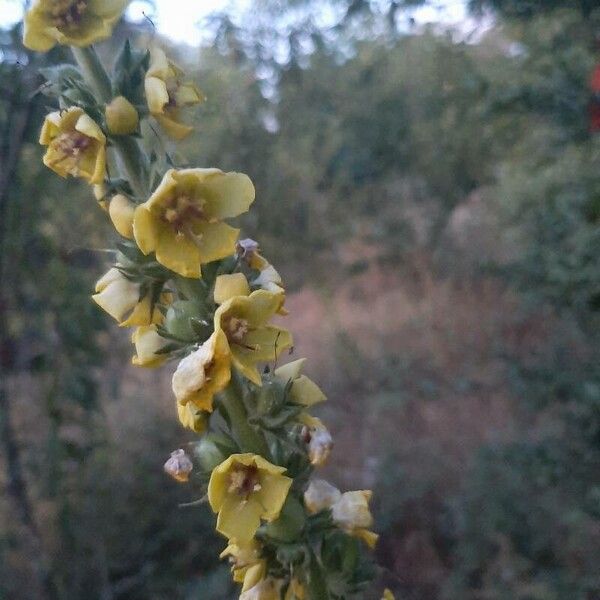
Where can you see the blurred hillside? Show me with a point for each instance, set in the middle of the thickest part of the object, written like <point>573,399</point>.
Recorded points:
<point>432,201</point>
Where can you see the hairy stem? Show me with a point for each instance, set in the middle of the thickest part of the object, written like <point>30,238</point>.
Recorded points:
<point>247,437</point>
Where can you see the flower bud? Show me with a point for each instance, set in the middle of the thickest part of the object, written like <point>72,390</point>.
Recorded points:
<point>178,319</point>
<point>212,450</point>
<point>228,286</point>
<point>179,466</point>
<point>121,116</point>
<point>99,190</point>
<point>387,595</point>
<point>121,211</point>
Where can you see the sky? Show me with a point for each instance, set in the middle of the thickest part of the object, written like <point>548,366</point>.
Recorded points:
<point>182,19</point>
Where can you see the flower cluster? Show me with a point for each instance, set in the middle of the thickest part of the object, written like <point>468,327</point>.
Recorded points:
<point>194,294</point>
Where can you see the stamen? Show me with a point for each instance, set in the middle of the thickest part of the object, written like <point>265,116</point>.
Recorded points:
<point>67,13</point>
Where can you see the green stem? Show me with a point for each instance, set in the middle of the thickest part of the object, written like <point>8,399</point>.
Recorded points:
<point>93,72</point>
<point>131,159</point>
<point>248,439</point>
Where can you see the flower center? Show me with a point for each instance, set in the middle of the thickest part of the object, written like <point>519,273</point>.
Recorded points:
<point>243,481</point>
<point>236,329</point>
<point>69,148</point>
<point>67,13</point>
<point>180,211</point>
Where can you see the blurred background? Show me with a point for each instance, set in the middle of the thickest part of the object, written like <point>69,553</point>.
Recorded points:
<point>428,184</point>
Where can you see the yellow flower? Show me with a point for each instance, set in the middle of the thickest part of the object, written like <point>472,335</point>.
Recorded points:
<point>166,94</point>
<point>121,211</point>
<point>244,489</point>
<point>319,439</point>
<point>147,344</point>
<point>247,566</point>
<point>244,320</point>
<point>303,390</point>
<point>350,511</point>
<point>203,373</point>
<point>120,298</point>
<point>228,286</point>
<point>70,22</point>
<point>182,220</point>
<point>76,145</point>
<point>191,417</point>
<point>179,466</point>
<point>121,116</point>
<point>387,595</point>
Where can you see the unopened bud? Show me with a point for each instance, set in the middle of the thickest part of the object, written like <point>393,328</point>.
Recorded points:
<point>179,466</point>
<point>121,211</point>
<point>121,116</point>
<point>212,450</point>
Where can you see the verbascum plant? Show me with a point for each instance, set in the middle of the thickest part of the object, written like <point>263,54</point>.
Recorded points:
<point>200,298</point>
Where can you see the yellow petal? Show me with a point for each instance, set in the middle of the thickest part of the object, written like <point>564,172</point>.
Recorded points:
<point>305,391</point>
<point>239,520</point>
<point>217,240</point>
<point>147,343</point>
<point>146,229</point>
<point>157,95</point>
<point>291,370</point>
<point>368,537</point>
<point>245,364</point>
<point>86,125</point>
<point>228,194</point>
<point>121,211</point>
<point>175,130</point>
<point>273,493</point>
<point>228,286</point>
<point>178,253</point>
<point>116,294</point>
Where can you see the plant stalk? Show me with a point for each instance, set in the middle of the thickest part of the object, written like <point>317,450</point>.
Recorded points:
<point>130,157</point>
<point>248,439</point>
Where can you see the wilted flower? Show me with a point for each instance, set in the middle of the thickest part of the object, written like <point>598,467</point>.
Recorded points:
<point>76,145</point>
<point>179,466</point>
<point>244,489</point>
<point>320,495</point>
<point>183,219</point>
<point>147,343</point>
<point>191,417</point>
<point>303,390</point>
<point>120,298</point>
<point>121,116</point>
<point>121,211</point>
<point>203,373</point>
<point>247,566</point>
<point>318,439</point>
<point>350,510</point>
<point>166,94</point>
<point>245,322</point>
<point>70,22</point>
